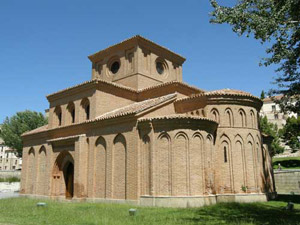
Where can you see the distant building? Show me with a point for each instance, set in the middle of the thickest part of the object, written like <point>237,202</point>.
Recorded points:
<point>273,111</point>
<point>8,158</point>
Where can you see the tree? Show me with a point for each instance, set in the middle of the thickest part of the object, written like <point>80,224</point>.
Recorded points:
<point>277,22</point>
<point>13,127</point>
<point>271,129</point>
<point>291,132</point>
<point>262,95</point>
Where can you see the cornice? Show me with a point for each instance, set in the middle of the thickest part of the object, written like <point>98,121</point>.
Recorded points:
<point>138,40</point>
<point>174,117</point>
<point>94,83</point>
<point>221,98</point>
<point>86,85</point>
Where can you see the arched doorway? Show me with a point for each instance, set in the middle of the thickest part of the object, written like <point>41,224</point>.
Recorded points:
<point>69,179</point>
<point>63,176</point>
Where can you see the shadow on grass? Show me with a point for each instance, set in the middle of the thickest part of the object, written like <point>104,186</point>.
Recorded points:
<point>288,198</point>
<point>235,213</point>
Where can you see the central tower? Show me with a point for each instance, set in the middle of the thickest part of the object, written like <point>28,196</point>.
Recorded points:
<point>137,63</point>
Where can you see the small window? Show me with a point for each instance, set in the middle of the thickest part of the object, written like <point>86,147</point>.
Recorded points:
<point>160,67</point>
<point>87,111</point>
<point>273,108</point>
<point>225,155</point>
<point>115,66</point>
<point>73,115</point>
<point>276,116</point>
<point>59,118</point>
<point>58,115</point>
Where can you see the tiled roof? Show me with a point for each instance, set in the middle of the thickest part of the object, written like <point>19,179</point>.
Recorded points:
<point>227,91</point>
<point>66,138</point>
<point>125,87</point>
<point>37,130</point>
<point>271,99</point>
<point>90,82</point>
<point>221,92</point>
<point>136,107</point>
<point>131,38</point>
<point>176,116</point>
<point>170,83</point>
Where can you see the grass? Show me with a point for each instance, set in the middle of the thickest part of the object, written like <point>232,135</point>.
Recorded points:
<point>24,211</point>
<point>287,162</point>
<point>10,179</point>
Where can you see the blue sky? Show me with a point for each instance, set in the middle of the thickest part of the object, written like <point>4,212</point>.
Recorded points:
<point>44,45</point>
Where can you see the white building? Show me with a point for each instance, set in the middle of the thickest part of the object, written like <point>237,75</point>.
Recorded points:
<point>273,112</point>
<point>8,158</point>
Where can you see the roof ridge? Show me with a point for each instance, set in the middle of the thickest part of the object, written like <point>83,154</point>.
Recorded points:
<point>35,130</point>
<point>95,80</point>
<point>163,98</point>
<point>169,83</point>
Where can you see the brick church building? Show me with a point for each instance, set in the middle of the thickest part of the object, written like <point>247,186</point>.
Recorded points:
<point>136,133</point>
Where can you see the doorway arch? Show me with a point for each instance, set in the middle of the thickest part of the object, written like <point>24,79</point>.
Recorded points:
<point>69,179</point>
<point>63,176</point>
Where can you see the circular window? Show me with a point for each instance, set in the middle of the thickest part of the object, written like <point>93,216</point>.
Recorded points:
<point>160,67</point>
<point>115,66</point>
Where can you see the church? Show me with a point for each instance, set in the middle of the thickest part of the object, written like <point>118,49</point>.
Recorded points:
<point>136,133</point>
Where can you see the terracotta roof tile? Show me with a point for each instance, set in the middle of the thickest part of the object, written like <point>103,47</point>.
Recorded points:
<point>170,83</point>
<point>90,82</point>
<point>227,91</point>
<point>176,116</point>
<point>66,138</point>
<point>37,130</point>
<point>136,107</point>
<point>271,99</point>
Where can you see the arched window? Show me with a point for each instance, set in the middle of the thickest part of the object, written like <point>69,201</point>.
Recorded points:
<point>225,154</point>
<point>215,115</point>
<point>71,110</point>
<point>242,118</point>
<point>228,118</point>
<point>85,103</point>
<point>58,115</point>
<point>252,119</point>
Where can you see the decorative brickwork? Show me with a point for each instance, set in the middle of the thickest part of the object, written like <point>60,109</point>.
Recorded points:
<point>135,133</point>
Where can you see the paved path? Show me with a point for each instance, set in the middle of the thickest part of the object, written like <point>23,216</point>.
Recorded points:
<point>8,195</point>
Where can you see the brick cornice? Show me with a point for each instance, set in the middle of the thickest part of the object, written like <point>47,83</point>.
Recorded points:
<point>138,41</point>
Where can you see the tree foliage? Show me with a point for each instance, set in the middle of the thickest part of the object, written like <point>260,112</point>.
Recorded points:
<point>262,95</point>
<point>13,127</point>
<point>291,132</point>
<point>271,129</point>
<point>277,22</point>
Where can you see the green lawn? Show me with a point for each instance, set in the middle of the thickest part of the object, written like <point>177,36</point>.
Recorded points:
<point>24,211</point>
<point>287,162</point>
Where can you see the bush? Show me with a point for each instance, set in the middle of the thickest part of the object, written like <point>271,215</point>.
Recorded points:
<point>10,179</point>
